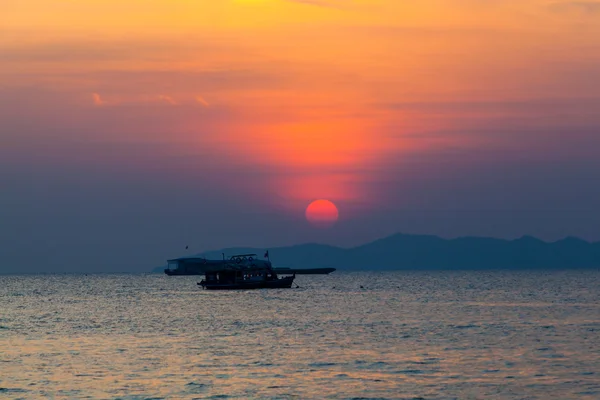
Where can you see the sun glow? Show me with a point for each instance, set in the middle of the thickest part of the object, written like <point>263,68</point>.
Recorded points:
<point>295,99</point>
<point>322,213</point>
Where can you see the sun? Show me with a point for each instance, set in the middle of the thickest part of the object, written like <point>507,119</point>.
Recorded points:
<point>322,213</point>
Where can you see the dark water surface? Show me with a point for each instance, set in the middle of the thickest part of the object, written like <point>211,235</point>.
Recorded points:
<point>405,335</point>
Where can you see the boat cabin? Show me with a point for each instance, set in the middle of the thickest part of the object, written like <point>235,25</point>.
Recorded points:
<point>235,276</point>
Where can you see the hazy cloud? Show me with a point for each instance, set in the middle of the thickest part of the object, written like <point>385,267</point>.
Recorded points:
<point>202,101</point>
<point>587,7</point>
<point>97,99</point>
<point>167,99</point>
<point>142,99</point>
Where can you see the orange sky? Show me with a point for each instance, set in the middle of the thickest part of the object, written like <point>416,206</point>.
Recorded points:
<point>132,128</point>
<point>316,89</point>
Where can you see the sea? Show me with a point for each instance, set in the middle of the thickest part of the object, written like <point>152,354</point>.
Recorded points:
<point>359,335</point>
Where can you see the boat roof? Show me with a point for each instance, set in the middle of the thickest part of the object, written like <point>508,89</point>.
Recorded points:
<point>193,258</point>
<point>202,259</point>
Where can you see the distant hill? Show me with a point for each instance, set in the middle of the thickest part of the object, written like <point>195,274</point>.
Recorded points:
<point>423,252</point>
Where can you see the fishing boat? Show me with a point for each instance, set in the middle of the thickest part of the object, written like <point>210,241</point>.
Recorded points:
<point>244,276</point>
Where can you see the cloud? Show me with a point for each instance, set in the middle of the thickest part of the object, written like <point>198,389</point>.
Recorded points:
<point>167,99</point>
<point>97,99</point>
<point>585,7</point>
<point>141,99</point>
<point>202,101</point>
<point>532,106</point>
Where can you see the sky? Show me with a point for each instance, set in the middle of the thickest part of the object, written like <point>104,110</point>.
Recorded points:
<point>130,129</point>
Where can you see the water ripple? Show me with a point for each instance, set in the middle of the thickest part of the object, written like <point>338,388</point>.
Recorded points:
<point>408,335</point>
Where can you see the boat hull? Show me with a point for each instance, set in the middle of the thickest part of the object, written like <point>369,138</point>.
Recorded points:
<point>282,283</point>
<point>203,270</point>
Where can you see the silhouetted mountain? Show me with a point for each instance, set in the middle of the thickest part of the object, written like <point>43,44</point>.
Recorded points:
<point>401,251</point>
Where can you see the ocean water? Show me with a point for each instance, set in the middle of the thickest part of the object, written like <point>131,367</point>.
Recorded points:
<point>403,335</point>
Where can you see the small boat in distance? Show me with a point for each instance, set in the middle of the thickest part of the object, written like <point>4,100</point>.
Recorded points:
<point>196,265</point>
<point>245,278</point>
<point>200,265</point>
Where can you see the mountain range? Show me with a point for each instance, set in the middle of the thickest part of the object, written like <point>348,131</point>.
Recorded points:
<point>425,252</point>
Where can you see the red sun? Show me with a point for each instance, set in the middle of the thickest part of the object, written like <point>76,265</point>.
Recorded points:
<point>322,213</point>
